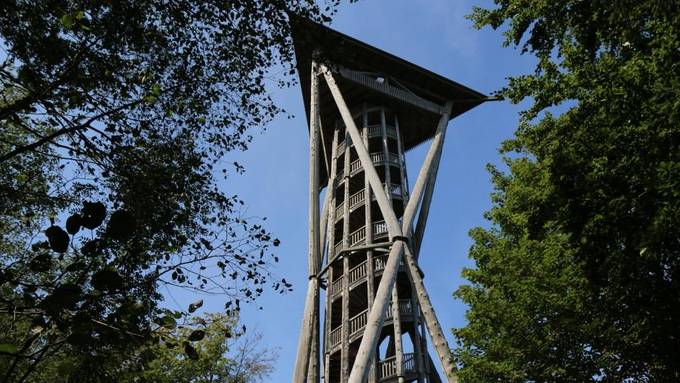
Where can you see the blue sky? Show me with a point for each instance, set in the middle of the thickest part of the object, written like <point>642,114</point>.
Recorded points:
<point>436,35</point>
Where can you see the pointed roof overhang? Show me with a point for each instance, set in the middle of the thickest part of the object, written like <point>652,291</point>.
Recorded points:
<point>359,66</point>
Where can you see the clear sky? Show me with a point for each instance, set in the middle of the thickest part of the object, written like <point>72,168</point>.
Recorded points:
<point>436,35</point>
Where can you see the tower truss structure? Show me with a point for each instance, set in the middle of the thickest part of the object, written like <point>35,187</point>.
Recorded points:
<point>366,108</point>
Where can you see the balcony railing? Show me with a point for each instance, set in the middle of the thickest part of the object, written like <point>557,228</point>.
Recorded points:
<point>358,322</point>
<point>357,273</point>
<point>388,367</point>
<point>358,236</point>
<point>336,286</point>
<point>336,336</point>
<point>379,263</point>
<point>378,158</point>
<point>340,211</point>
<point>405,308</point>
<point>379,229</point>
<point>373,131</point>
<point>357,198</point>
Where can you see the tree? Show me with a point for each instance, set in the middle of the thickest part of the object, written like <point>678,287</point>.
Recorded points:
<point>208,348</point>
<point>117,120</point>
<point>578,278</point>
<point>220,352</point>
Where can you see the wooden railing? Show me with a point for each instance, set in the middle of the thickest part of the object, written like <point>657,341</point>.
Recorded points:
<point>357,236</point>
<point>396,190</point>
<point>354,167</point>
<point>379,228</point>
<point>373,131</point>
<point>357,198</point>
<point>405,308</point>
<point>388,367</point>
<point>336,336</point>
<point>336,286</point>
<point>358,322</point>
<point>391,131</point>
<point>357,273</point>
<point>340,211</point>
<point>379,263</point>
<point>378,158</point>
<point>409,363</point>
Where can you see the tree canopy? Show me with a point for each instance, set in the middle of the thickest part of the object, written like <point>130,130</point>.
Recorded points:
<point>578,277</point>
<point>117,122</point>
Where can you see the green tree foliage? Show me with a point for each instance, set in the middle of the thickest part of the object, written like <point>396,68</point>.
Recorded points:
<point>117,120</point>
<point>201,349</point>
<point>219,351</point>
<point>578,278</point>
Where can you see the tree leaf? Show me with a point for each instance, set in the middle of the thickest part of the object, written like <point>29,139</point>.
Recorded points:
<point>190,351</point>
<point>73,224</point>
<point>93,214</point>
<point>168,321</point>
<point>196,335</point>
<point>57,238</point>
<point>195,306</point>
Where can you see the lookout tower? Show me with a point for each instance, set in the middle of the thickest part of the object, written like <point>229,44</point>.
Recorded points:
<point>366,108</point>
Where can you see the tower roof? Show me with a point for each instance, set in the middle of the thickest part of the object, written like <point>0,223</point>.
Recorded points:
<point>375,77</point>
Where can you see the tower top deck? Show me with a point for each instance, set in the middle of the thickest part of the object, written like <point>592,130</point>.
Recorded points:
<point>370,75</point>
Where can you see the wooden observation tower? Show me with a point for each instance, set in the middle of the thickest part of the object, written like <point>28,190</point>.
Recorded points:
<point>366,108</point>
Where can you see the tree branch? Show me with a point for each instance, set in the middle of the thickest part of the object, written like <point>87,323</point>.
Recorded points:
<point>61,132</point>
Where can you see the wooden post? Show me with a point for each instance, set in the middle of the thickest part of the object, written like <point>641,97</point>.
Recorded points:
<point>386,155</point>
<point>429,190</point>
<point>417,339</point>
<point>328,208</point>
<point>328,222</point>
<point>433,327</point>
<point>425,173</point>
<point>344,355</point>
<point>396,325</point>
<point>310,316</point>
<point>313,368</point>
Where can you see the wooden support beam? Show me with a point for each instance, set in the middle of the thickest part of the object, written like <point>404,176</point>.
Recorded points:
<point>426,172</point>
<point>344,344</point>
<point>439,342</point>
<point>310,316</point>
<point>396,326</point>
<point>427,198</point>
<point>326,213</point>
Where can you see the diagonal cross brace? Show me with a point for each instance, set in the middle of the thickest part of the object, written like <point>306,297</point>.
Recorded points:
<point>376,315</point>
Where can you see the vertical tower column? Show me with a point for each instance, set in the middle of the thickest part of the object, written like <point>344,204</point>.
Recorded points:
<point>308,344</point>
